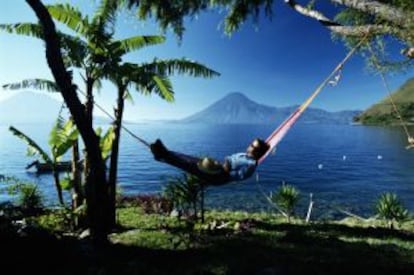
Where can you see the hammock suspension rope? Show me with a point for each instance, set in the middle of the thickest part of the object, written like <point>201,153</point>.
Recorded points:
<point>112,117</point>
<point>410,139</point>
<point>332,79</point>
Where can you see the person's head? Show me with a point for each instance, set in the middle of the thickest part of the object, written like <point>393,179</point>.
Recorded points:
<point>257,148</point>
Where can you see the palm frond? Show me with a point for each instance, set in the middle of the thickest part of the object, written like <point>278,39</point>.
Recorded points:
<point>70,16</point>
<point>134,43</point>
<point>62,136</point>
<point>179,66</point>
<point>74,49</point>
<point>33,146</point>
<point>106,13</point>
<point>163,88</point>
<point>28,29</point>
<point>36,83</point>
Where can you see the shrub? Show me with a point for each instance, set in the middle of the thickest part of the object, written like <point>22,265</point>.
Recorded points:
<point>149,203</point>
<point>390,208</point>
<point>186,193</point>
<point>28,196</point>
<point>286,197</point>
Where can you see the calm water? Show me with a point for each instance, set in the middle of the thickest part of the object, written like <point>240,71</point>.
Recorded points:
<point>343,166</point>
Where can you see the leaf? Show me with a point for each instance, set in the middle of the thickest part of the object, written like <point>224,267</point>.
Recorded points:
<point>137,42</point>
<point>28,29</point>
<point>36,83</point>
<point>163,88</point>
<point>34,147</point>
<point>66,183</point>
<point>106,142</point>
<point>70,16</point>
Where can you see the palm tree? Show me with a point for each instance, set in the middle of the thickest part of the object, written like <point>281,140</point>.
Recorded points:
<point>148,78</point>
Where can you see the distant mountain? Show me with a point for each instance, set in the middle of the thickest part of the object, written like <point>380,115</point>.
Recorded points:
<point>383,112</point>
<point>238,109</point>
<point>30,107</point>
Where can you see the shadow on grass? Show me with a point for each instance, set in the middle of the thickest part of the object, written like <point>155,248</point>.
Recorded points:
<point>293,250</point>
<point>340,230</point>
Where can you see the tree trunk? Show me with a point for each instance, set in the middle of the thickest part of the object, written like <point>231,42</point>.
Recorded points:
<point>77,176</point>
<point>57,184</point>
<point>96,183</point>
<point>89,119</point>
<point>78,194</point>
<point>113,170</point>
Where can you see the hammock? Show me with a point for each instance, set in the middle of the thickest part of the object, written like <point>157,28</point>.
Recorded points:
<point>277,135</point>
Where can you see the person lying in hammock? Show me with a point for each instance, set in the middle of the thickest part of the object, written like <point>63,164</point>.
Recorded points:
<point>236,167</point>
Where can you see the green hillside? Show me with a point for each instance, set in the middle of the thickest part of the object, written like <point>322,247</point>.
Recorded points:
<point>383,112</point>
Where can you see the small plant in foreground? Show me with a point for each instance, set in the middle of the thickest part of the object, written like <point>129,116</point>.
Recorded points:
<point>390,208</point>
<point>28,196</point>
<point>286,197</point>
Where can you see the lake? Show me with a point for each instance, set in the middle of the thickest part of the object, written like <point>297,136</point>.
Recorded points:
<point>345,166</point>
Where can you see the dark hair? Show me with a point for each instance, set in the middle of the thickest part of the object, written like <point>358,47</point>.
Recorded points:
<point>262,147</point>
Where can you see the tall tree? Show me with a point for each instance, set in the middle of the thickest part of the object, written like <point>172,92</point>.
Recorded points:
<point>96,178</point>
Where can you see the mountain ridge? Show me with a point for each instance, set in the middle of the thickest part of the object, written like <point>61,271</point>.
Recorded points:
<point>383,113</point>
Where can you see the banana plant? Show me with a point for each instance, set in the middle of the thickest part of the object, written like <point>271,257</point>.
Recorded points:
<point>61,139</point>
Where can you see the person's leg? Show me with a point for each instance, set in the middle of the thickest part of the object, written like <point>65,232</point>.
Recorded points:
<point>184,162</point>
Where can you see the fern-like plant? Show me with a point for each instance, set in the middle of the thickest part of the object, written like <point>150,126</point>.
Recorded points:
<point>28,197</point>
<point>186,194</point>
<point>390,208</point>
<point>286,198</point>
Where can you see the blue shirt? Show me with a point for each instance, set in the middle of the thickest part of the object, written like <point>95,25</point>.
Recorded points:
<point>241,166</point>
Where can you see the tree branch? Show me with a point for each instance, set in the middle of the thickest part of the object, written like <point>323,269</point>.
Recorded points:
<point>387,12</point>
<point>335,26</point>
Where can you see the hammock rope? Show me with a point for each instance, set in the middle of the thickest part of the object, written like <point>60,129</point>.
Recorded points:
<point>143,141</point>
<point>332,78</point>
<point>410,139</point>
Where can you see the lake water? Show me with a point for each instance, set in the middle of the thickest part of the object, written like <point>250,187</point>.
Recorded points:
<point>341,165</point>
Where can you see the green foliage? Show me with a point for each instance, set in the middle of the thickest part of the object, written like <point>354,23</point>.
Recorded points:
<point>33,148</point>
<point>172,13</point>
<point>390,208</point>
<point>28,197</point>
<point>36,83</point>
<point>186,193</point>
<point>62,136</point>
<point>286,198</point>
<point>106,141</point>
<point>59,220</point>
<point>149,203</point>
<point>383,112</point>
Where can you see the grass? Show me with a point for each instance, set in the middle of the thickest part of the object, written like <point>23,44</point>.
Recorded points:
<point>228,243</point>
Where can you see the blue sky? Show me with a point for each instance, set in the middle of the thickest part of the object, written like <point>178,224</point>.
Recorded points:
<point>277,63</point>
